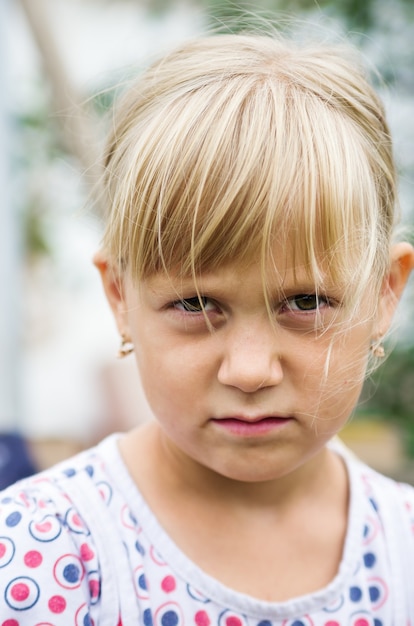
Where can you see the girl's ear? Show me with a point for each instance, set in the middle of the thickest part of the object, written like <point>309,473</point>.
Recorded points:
<point>113,284</point>
<point>402,263</point>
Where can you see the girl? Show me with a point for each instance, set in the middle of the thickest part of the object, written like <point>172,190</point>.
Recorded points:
<point>248,261</point>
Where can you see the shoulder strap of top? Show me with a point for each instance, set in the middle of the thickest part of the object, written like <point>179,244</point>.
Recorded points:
<point>400,542</point>
<point>399,536</point>
<point>118,596</point>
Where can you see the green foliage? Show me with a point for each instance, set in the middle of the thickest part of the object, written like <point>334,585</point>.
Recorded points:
<point>356,14</point>
<point>103,100</point>
<point>35,239</point>
<point>38,147</point>
<point>389,393</point>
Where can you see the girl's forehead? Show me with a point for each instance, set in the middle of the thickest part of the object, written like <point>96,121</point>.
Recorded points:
<point>277,274</point>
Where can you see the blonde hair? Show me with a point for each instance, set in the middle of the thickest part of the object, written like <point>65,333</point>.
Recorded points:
<point>233,144</point>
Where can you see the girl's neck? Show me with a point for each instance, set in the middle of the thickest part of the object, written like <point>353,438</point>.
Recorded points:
<point>236,531</point>
<point>155,466</point>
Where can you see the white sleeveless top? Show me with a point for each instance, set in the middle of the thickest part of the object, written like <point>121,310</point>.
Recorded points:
<point>80,547</point>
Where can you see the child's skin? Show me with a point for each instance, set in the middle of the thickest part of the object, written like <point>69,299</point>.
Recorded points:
<point>235,465</point>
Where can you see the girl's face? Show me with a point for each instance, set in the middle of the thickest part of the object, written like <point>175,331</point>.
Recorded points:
<point>248,397</point>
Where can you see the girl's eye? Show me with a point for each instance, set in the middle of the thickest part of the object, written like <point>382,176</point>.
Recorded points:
<point>193,305</point>
<point>305,302</point>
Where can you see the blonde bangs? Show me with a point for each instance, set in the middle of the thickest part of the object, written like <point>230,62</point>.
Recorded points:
<point>266,150</point>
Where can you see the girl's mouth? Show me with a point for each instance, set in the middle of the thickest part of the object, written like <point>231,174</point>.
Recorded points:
<point>251,427</point>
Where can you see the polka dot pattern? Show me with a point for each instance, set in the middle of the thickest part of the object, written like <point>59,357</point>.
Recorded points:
<point>169,614</point>
<point>7,550</point>
<point>45,530</point>
<point>68,571</point>
<point>33,558</point>
<point>22,593</point>
<point>201,618</point>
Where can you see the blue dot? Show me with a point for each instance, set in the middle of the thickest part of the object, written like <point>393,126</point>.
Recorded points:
<point>265,622</point>
<point>13,519</point>
<point>71,573</point>
<point>369,559</point>
<point>170,618</point>
<point>374,594</point>
<point>6,500</point>
<point>89,470</point>
<point>142,582</point>
<point>298,622</point>
<point>378,622</point>
<point>69,472</point>
<point>147,617</point>
<point>139,548</point>
<point>355,594</point>
<point>366,530</point>
<point>87,620</point>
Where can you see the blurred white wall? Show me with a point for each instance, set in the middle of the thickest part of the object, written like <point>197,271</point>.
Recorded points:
<point>9,246</point>
<point>68,377</point>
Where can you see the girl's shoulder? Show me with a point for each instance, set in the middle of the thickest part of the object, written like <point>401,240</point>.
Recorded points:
<point>49,565</point>
<point>46,495</point>
<point>386,495</point>
<point>381,491</point>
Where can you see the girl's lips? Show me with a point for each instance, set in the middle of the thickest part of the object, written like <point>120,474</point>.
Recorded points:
<point>246,427</point>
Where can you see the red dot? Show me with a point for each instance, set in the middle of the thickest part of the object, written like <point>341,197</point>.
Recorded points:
<point>43,527</point>
<point>233,621</point>
<point>20,592</point>
<point>168,584</point>
<point>201,618</point>
<point>76,520</point>
<point>331,623</point>
<point>10,622</point>
<point>2,550</point>
<point>361,622</point>
<point>33,558</point>
<point>57,604</point>
<point>86,553</point>
<point>94,588</point>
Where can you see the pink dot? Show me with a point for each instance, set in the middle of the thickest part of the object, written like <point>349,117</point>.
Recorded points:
<point>201,618</point>
<point>94,588</point>
<point>76,520</point>
<point>57,604</point>
<point>2,550</point>
<point>20,592</point>
<point>44,527</point>
<point>168,584</point>
<point>361,622</point>
<point>10,622</point>
<point>33,558</point>
<point>86,553</point>
<point>331,623</point>
<point>233,621</point>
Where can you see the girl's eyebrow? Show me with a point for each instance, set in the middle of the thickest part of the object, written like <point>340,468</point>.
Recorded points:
<point>218,286</point>
<point>186,288</point>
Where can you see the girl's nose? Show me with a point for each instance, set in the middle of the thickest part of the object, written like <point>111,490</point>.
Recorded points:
<point>251,361</point>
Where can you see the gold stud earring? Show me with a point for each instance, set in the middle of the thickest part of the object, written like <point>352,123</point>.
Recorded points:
<point>125,348</point>
<point>377,349</point>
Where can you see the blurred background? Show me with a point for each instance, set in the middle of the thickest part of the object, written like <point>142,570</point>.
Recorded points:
<point>61,386</point>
